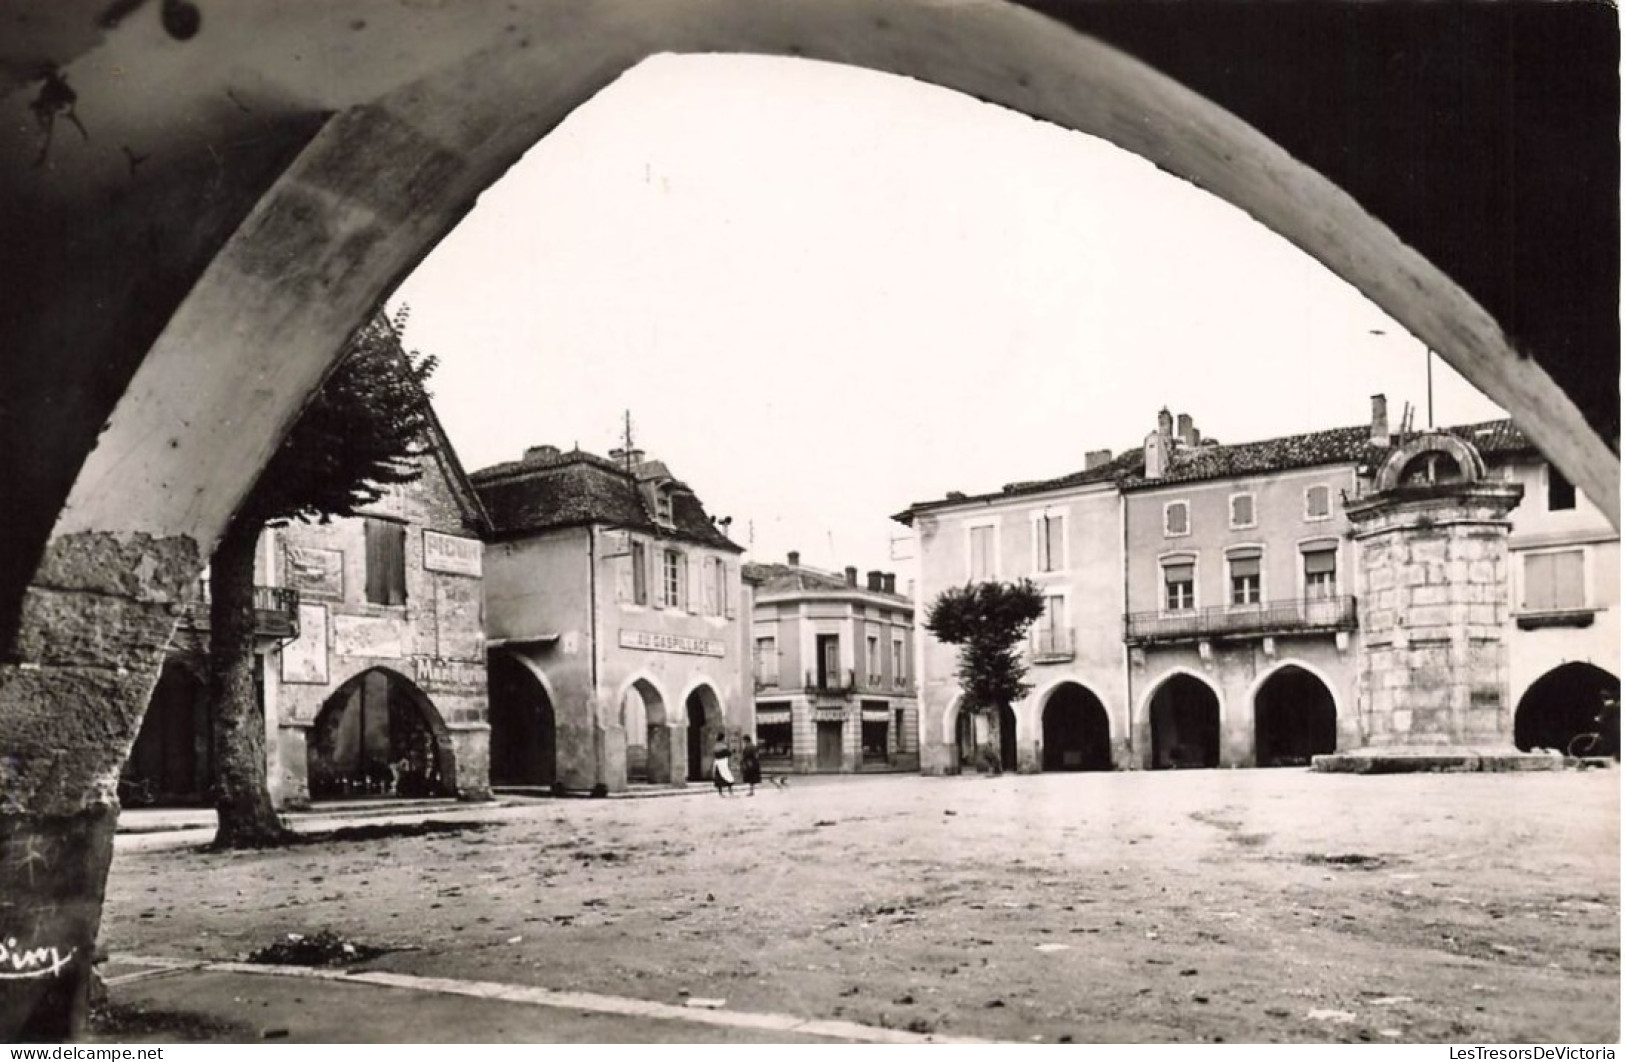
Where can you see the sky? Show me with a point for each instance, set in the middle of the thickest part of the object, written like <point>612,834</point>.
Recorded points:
<point>823,294</point>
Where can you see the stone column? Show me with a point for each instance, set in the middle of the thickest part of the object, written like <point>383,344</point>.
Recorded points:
<point>94,627</point>
<point>1432,660</point>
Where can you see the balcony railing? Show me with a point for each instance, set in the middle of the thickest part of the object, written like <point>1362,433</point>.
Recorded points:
<point>276,612</point>
<point>832,682</point>
<point>1048,645</point>
<point>1288,616</point>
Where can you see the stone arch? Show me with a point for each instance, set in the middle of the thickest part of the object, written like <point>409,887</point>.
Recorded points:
<point>1399,465</point>
<point>1566,702</point>
<point>1184,716</point>
<point>706,723</point>
<point>1296,711</point>
<point>524,722</point>
<point>1075,727</point>
<point>640,704</point>
<point>378,734</point>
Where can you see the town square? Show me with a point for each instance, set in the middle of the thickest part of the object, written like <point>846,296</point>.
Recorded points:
<point>817,521</point>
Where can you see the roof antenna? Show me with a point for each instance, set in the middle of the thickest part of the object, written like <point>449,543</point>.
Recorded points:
<point>626,439</point>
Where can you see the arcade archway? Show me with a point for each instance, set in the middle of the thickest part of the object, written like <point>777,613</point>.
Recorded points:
<point>704,714</point>
<point>379,735</point>
<point>1294,719</point>
<point>524,737</point>
<point>1565,703</point>
<point>172,762</point>
<point>1077,731</point>
<point>1184,724</point>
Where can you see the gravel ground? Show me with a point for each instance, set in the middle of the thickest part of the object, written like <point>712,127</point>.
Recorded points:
<point>1186,906</point>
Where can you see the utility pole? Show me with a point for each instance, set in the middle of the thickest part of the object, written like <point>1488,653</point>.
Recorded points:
<point>626,439</point>
<point>1430,388</point>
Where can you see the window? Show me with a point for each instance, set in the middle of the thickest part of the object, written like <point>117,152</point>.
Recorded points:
<point>674,578</point>
<point>1241,511</point>
<point>1049,533</point>
<point>1050,634</point>
<point>640,574</point>
<point>899,668</point>
<point>1176,518</point>
<point>1317,503</point>
<point>1320,572</point>
<point>1553,582</point>
<point>663,506</point>
<point>386,562</point>
<point>767,661</point>
<point>981,553</point>
<point>1179,585</point>
<point>873,645</point>
<point>714,586</point>
<point>1559,491</point>
<point>1246,577</point>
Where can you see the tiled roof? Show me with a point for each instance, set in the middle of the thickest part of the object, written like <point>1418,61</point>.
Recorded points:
<point>567,489</point>
<point>787,579</point>
<point>1217,461</point>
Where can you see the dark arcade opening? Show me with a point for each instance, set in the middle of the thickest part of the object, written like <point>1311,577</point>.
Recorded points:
<point>172,763</point>
<point>378,735</point>
<point>704,721</point>
<point>1566,703</point>
<point>523,727</point>
<point>1294,719</point>
<point>1077,732</point>
<point>1184,724</point>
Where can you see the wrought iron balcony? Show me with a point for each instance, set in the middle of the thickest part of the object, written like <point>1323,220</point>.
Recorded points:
<point>1049,645</point>
<point>1293,615</point>
<point>276,612</point>
<point>832,683</point>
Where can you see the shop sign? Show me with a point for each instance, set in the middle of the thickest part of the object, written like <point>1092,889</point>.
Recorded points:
<point>435,673</point>
<point>829,715</point>
<point>772,715</point>
<point>670,643</point>
<point>448,553</point>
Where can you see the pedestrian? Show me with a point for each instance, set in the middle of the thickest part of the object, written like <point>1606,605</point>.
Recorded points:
<point>721,773</point>
<point>750,765</point>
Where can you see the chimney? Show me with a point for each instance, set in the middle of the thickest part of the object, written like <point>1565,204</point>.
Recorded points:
<point>851,576</point>
<point>795,559</point>
<point>874,581</point>
<point>538,452</point>
<point>1095,458</point>
<point>1157,446</point>
<point>888,582</point>
<point>1379,421</point>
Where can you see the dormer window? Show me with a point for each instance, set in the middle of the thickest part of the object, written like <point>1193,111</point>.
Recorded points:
<point>663,506</point>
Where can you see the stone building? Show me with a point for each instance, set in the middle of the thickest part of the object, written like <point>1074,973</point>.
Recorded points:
<point>370,657</point>
<point>833,670</point>
<point>1066,535</point>
<point>614,612</point>
<point>1265,603</point>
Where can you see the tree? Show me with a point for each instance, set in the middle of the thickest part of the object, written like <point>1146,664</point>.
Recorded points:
<point>360,434</point>
<point>987,621</point>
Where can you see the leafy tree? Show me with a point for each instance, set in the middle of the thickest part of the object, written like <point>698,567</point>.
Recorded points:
<point>987,621</point>
<point>360,434</point>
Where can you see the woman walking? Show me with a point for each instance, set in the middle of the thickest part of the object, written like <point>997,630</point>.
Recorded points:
<point>721,773</point>
<point>750,764</point>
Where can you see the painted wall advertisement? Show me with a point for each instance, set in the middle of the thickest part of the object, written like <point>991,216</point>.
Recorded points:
<point>304,660</point>
<point>670,643</point>
<point>314,572</point>
<point>448,553</point>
